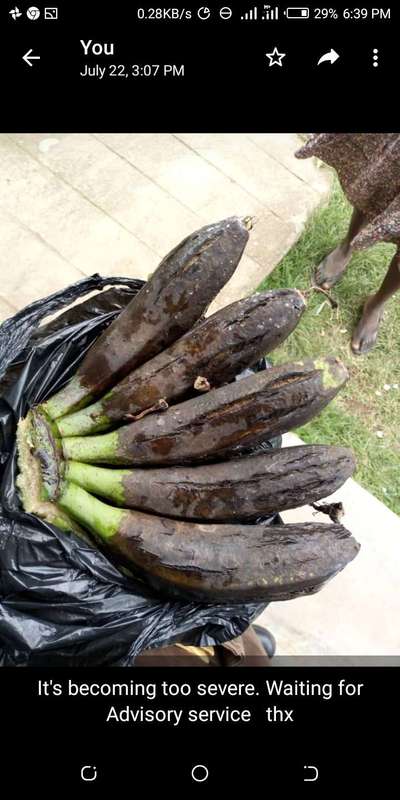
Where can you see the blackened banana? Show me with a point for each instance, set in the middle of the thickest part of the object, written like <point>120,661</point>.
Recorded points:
<point>217,563</point>
<point>242,489</point>
<point>169,304</point>
<point>215,350</point>
<point>215,425</point>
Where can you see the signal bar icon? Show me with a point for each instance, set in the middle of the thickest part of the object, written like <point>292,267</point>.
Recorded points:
<point>252,14</point>
<point>270,13</point>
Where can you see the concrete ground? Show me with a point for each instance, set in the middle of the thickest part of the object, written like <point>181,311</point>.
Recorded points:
<point>72,205</point>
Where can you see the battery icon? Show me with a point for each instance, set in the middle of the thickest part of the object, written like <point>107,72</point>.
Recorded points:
<point>297,13</point>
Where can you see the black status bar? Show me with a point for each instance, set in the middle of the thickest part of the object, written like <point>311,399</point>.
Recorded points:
<point>297,15</point>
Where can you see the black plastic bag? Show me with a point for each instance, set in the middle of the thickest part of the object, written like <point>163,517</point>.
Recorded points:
<point>62,601</point>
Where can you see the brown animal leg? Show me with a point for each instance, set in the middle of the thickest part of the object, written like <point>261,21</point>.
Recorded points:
<point>366,332</point>
<point>334,265</point>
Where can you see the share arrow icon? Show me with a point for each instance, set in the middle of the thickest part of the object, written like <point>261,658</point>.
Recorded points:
<point>332,56</point>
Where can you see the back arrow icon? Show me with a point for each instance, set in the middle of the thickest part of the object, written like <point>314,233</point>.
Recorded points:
<point>332,56</point>
<point>28,58</point>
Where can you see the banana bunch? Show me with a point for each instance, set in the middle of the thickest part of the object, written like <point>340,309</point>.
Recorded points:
<point>155,423</point>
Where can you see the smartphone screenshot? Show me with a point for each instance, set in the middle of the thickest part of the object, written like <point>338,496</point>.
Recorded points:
<point>199,398</point>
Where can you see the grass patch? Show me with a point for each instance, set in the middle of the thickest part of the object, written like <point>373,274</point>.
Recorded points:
<point>365,408</point>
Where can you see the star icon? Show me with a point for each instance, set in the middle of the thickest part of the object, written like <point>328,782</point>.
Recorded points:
<point>275,57</point>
